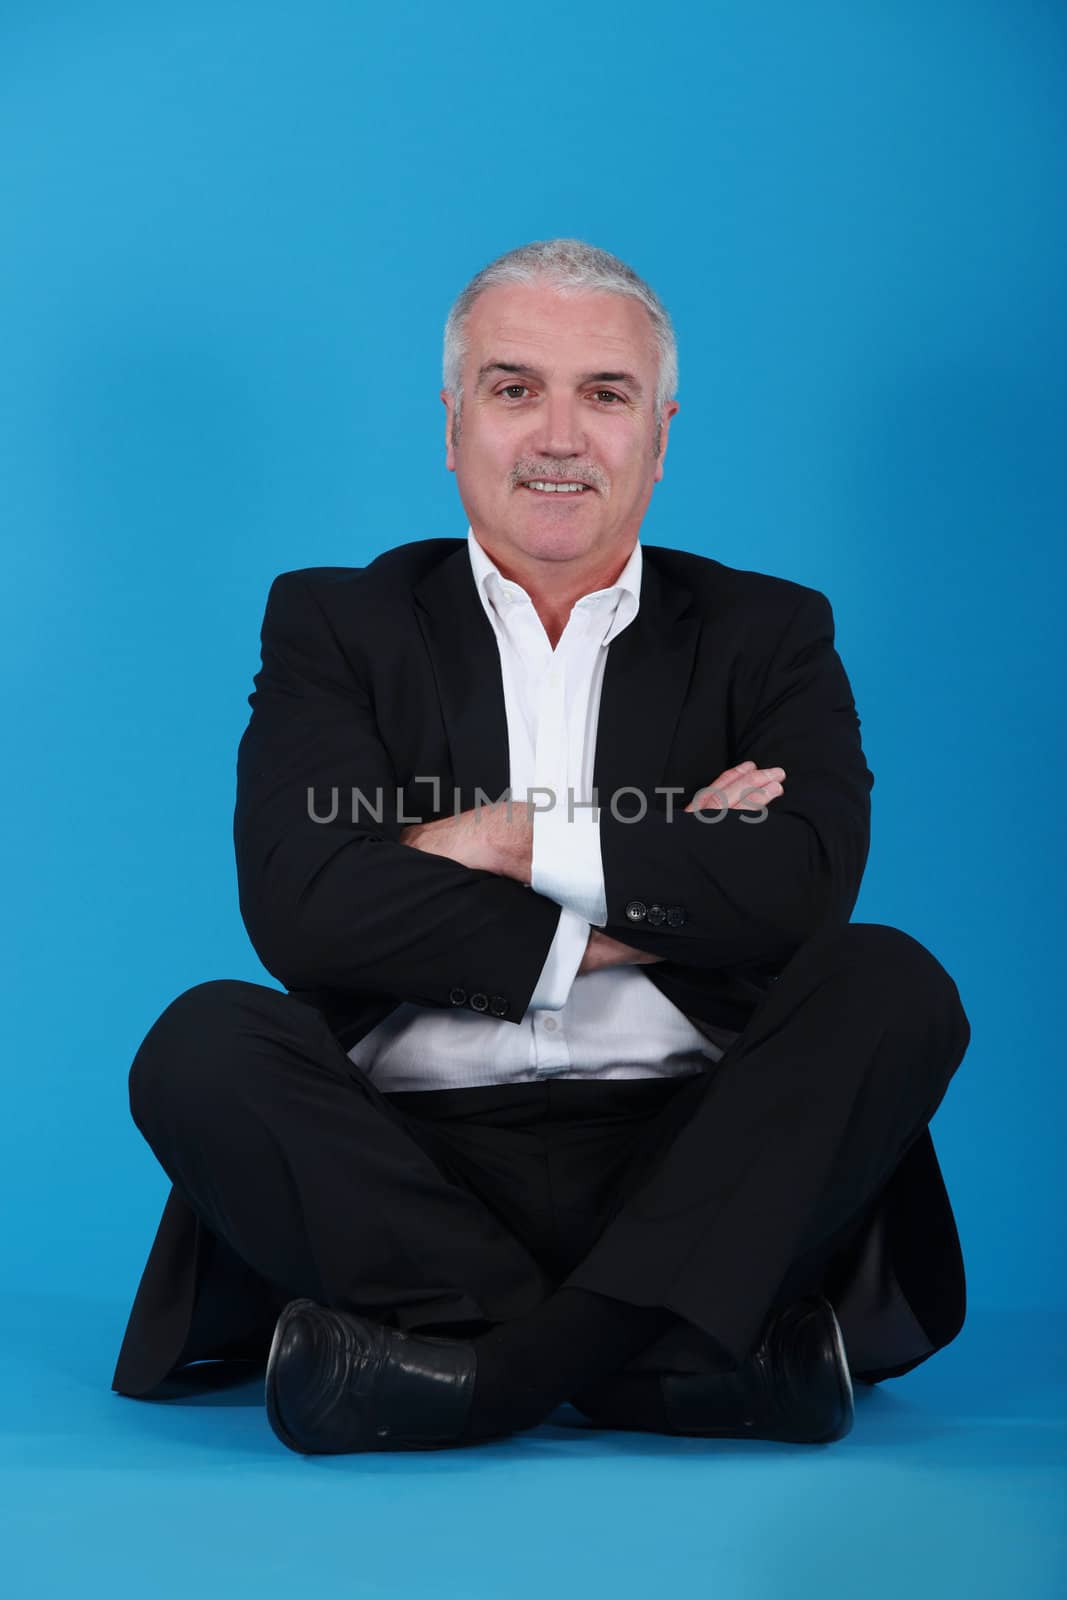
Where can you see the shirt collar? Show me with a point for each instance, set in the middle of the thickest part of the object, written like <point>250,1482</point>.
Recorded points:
<point>619,602</point>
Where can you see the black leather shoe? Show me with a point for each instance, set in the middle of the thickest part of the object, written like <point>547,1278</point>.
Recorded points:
<point>337,1382</point>
<point>795,1387</point>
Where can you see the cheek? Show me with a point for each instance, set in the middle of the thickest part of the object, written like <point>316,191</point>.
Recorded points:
<point>483,464</point>
<point>494,455</point>
<point>628,471</point>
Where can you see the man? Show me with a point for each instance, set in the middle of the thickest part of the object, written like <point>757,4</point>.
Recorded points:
<point>578,1091</point>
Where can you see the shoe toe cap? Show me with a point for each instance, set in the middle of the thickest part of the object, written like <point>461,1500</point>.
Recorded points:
<point>337,1382</point>
<point>321,1366</point>
<point>812,1376</point>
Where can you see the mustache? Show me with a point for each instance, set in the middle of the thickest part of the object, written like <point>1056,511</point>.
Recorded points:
<point>588,474</point>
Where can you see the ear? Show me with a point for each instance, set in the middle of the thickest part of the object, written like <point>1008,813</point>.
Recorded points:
<point>450,410</point>
<point>668,412</point>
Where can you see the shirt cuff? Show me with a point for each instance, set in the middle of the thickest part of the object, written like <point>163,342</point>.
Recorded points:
<point>566,863</point>
<point>561,964</point>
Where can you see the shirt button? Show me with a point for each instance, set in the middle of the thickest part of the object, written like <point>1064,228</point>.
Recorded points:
<point>457,996</point>
<point>479,1002</point>
<point>551,1024</point>
<point>636,910</point>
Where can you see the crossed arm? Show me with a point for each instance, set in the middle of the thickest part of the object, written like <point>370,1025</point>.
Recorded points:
<point>362,907</point>
<point>499,839</point>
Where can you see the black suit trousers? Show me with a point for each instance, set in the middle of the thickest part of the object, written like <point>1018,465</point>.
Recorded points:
<point>720,1196</point>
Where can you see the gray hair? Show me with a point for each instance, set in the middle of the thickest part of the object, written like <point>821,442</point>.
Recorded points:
<point>566,264</point>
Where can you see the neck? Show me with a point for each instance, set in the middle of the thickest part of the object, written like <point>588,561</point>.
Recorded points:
<point>554,586</point>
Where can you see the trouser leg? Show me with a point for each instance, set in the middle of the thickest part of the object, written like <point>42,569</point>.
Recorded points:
<point>288,1153</point>
<point>756,1173</point>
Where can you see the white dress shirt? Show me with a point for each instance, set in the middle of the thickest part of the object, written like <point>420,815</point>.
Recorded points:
<point>608,1024</point>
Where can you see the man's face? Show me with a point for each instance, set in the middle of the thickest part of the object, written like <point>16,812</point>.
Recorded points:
<point>557,388</point>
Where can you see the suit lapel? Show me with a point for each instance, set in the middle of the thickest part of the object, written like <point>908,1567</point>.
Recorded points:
<point>645,682</point>
<point>646,677</point>
<point>466,664</point>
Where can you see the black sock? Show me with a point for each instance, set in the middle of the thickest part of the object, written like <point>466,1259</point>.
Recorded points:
<point>626,1400</point>
<point>528,1367</point>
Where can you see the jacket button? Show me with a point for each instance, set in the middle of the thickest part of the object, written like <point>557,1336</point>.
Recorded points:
<point>636,910</point>
<point>498,1005</point>
<point>479,1002</point>
<point>656,915</point>
<point>675,916</point>
<point>457,996</point>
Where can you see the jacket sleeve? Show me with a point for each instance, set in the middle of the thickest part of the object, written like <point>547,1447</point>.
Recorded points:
<point>722,887</point>
<point>338,903</point>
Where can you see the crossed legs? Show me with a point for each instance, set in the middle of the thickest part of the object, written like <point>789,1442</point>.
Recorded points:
<point>716,1198</point>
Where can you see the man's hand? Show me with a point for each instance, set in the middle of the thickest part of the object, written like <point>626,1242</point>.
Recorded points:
<point>742,788</point>
<point>486,839</point>
<point>603,951</point>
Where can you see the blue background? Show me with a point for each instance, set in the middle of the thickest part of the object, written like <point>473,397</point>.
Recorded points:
<point>231,237</point>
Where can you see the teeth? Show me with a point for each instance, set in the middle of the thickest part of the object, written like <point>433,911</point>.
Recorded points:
<point>557,488</point>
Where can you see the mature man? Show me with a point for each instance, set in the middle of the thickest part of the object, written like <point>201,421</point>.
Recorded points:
<point>578,1091</point>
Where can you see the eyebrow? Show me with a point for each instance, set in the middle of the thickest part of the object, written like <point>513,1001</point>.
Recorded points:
<point>523,371</point>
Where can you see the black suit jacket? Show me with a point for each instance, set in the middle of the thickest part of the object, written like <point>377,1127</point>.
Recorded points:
<point>396,674</point>
<point>376,680</point>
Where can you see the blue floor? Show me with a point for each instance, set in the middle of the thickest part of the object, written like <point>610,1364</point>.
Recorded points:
<point>952,1483</point>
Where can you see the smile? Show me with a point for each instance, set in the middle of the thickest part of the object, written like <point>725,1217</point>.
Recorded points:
<point>556,488</point>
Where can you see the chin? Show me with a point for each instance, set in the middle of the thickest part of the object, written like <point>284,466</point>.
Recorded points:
<point>576,529</point>
<point>555,542</point>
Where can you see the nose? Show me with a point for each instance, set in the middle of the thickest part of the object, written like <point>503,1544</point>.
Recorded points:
<point>560,432</point>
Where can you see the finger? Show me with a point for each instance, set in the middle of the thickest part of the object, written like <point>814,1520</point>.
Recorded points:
<point>747,772</point>
<point>703,796</point>
<point>757,796</point>
<point>746,793</point>
<point>730,786</point>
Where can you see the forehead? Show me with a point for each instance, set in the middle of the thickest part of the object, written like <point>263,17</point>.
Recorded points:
<point>578,330</point>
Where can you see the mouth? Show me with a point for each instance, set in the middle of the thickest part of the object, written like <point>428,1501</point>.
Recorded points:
<point>569,487</point>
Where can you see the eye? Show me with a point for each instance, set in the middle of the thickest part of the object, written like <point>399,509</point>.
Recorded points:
<point>509,386</point>
<point>609,394</point>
